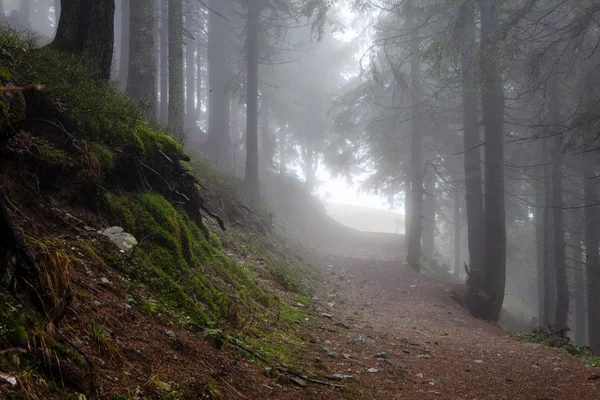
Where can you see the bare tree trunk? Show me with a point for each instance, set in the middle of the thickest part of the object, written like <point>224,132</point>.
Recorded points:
<point>218,142</point>
<point>429,211</point>
<point>471,142</point>
<point>198,82</point>
<point>579,289</point>
<point>190,84</point>
<point>125,40</point>
<point>164,61</point>
<point>492,98</point>
<point>156,36</point>
<point>142,67</point>
<point>265,135</point>
<point>234,128</point>
<point>540,231</point>
<point>548,249</point>
<point>88,30</point>
<point>592,263</point>
<point>560,258</point>
<point>251,179</point>
<point>413,256</point>
<point>457,224</point>
<point>176,97</point>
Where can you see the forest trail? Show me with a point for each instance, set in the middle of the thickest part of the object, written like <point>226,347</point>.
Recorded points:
<point>400,335</point>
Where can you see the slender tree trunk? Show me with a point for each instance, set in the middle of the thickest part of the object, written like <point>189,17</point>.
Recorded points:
<point>199,82</point>
<point>457,224</point>
<point>57,9</point>
<point>88,30</point>
<point>265,135</point>
<point>579,289</point>
<point>413,256</point>
<point>176,96</point>
<point>540,231</point>
<point>164,61</point>
<point>190,84</point>
<point>492,98</point>
<point>591,249</point>
<point>560,258</point>
<point>471,142</point>
<point>125,41</point>
<point>251,179</point>
<point>549,272</point>
<point>142,68</point>
<point>156,35</point>
<point>234,128</point>
<point>310,164</point>
<point>218,142</point>
<point>429,211</point>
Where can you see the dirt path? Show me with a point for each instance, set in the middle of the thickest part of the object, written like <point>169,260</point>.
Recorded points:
<point>433,348</point>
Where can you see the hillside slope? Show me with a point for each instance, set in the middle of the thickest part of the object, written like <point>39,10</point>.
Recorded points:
<point>366,218</point>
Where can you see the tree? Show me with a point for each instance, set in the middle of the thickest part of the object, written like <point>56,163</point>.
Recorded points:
<point>164,60</point>
<point>176,95</point>
<point>492,100</point>
<point>142,68</point>
<point>218,141</point>
<point>415,217</point>
<point>592,261</point>
<point>251,179</point>
<point>87,29</point>
<point>125,41</point>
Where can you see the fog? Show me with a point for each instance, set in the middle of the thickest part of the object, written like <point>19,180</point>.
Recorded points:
<point>480,124</point>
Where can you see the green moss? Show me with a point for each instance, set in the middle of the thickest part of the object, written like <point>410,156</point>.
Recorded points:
<point>13,325</point>
<point>104,156</point>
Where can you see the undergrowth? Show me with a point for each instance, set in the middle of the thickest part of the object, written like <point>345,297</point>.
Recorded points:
<point>576,350</point>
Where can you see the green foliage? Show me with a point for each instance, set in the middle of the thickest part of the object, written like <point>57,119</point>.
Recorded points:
<point>576,350</point>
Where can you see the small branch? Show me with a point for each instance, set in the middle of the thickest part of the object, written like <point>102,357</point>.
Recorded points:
<point>215,216</point>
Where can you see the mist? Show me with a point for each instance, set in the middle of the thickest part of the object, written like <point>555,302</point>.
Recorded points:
<point>476,125</point>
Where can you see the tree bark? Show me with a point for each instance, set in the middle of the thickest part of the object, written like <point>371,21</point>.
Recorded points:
<point>540,232</point>
<point>164,61</point>
<point>413,256</point>
<point>190,84</point>
<point>142,68</point>
<point>429,211</point>
<point>156,35</point>
<point>265,150</point>
<point>125,41</point>
<point>492,99</point>
<point>579,289</point>
<point>549,272</point>
<point>592,262</point>
<point>198,82</point>
<point>560,259</point>
<point>457,264</point>
<point>88,30</point>
<point>472,144</point>
<point>176,96</point>
<point>218,142</point>
<point>251,179</point>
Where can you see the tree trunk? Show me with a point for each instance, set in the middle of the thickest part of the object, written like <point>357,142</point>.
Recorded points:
<point>142,69</point>
<point>265,135</point>
<point>190,84</point>
<point>176,96</point>
<point>457,224</point>
<point>592,262</point>
<point>164,61</point>
<point>429,211</point>
<point>125,41</point>
<point>87,29</point>
<point>560,259</point>
<point>198,82</point>
<point>492,99</point>
<point>218,142</point>
<point>413,256</point>
<point>234,128</point>
<point>251,179</point>
<point>579,289</point>
<point>549,273</point>
<point>540,231</point>
<point>156,36</point>
<point>471,142</point>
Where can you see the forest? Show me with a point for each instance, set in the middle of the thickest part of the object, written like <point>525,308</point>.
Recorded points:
<point>479,119</point>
